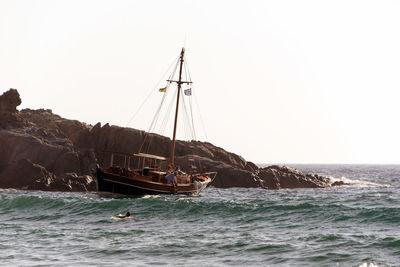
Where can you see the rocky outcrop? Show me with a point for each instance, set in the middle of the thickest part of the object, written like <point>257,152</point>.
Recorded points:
<point>36,152</point>
<point>43,151</point>
<point>276,177</point>
<point>9,117</point>
<point>9,101</point>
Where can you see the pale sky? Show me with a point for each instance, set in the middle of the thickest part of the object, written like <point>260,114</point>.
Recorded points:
<point>276,81</point>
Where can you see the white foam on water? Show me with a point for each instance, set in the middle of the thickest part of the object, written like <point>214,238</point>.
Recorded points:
<point>183,199</point>
<point>357,182</point>
<point>151,196</point>
<point>368,264</point>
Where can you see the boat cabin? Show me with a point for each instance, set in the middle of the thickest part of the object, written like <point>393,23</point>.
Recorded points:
<point>146,166</point>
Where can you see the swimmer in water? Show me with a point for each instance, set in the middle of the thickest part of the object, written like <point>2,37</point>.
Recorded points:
<point>127,215</point>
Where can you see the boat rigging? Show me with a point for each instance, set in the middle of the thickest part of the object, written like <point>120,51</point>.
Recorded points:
<point>149,176</point>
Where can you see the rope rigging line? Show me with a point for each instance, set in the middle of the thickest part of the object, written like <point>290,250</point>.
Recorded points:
<point>157,114</point>
<point>191,115</point>
<point>191,110</point>
<point>201,117</point>
<point>159,123</point>
<point>189,118</point>
<point>153,126</point>
<point>184,115</point>
<point>187,125</point>
<point>152,91</point>
<point>168,114</point>
<point>190,100</point>
<point>183,104</point>
<point>187,69</point>
<point>166,117</point>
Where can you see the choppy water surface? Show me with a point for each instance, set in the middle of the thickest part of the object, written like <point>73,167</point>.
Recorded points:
<point>344,226</point>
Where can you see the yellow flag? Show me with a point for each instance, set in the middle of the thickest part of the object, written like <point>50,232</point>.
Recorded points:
<point>163,89</point>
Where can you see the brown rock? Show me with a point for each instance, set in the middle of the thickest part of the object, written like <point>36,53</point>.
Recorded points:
<point>41,150</point>
<point>23,174</point>
<point>75,183</point>
<point>340,183</point>
<point>276,177</point>
<point>9,116</point>
<point>9,101</point>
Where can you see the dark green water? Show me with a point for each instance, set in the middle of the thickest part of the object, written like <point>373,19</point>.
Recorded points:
<point>346,226</point>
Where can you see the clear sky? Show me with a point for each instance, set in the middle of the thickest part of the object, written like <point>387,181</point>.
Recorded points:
<point>276,81</point>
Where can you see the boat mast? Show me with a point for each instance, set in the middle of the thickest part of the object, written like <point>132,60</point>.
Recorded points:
<point>179,82</point>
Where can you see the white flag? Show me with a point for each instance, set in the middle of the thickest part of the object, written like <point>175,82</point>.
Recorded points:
<point>188,91</point>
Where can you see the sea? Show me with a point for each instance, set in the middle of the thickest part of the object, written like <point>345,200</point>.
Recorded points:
<point>357,225</point>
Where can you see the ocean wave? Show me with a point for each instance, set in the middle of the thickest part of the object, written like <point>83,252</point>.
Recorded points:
<point>357,182</point>
<point>242,209</point>
<point>368,264</point>
<point>347,226</point>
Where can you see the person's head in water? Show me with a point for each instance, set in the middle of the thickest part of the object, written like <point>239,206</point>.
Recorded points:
<point>128,214</point>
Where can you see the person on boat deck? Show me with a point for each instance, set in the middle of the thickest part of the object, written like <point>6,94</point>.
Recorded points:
<point>171,177</point>
<point>179,172</point>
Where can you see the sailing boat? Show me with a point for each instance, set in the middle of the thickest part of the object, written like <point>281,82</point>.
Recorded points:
<point>150,177</point>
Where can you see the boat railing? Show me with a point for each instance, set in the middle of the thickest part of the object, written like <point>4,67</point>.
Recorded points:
<point>138,161</point>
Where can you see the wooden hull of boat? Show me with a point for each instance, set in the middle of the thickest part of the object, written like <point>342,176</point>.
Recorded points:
<point>142,185</point>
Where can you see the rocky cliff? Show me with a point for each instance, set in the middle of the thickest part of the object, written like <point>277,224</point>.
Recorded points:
<point>43,151</point>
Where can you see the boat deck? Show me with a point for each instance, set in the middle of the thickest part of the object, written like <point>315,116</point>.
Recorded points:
<point>151,175</point>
